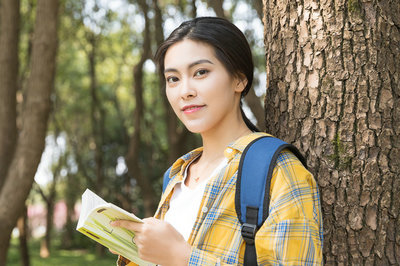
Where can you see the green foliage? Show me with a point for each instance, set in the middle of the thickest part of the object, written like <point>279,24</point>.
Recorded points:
<point>58,256</point>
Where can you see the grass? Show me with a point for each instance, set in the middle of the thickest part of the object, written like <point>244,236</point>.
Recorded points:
<point>59,257</point>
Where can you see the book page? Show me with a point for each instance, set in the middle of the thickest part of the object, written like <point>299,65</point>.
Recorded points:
<point>89,202</point>
<point>96,225</point>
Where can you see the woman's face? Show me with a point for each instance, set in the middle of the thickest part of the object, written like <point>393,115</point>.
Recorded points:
<point>202,93</point>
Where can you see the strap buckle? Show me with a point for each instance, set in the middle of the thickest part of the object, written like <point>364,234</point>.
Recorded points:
<point>249,233</point>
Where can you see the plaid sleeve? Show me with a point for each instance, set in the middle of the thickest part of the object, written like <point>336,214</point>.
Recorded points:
<point>292,234</point>
<point>124,262</point>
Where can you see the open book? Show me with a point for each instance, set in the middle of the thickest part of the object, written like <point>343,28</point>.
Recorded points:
<point>94,222</point>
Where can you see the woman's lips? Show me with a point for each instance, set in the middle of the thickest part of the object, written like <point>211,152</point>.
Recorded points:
<point>189,109</point>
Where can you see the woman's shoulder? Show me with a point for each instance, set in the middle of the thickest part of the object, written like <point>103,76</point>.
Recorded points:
<point>290,170</point>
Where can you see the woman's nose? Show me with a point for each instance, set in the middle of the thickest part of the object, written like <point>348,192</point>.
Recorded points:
<point>188,90</point>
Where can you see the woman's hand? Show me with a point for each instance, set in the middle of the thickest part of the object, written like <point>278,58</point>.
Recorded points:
<point>158,241</point>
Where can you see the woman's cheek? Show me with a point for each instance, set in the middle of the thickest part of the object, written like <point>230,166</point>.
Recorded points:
<point>174,105</point>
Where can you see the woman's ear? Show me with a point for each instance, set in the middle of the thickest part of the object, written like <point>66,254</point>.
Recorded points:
<point>241,82</point>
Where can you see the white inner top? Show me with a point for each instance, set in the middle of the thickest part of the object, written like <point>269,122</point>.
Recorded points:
<point>185,203</point>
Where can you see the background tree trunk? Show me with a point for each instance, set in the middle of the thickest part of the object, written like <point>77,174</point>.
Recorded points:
<point>72,188</point>
<point>97,114</point>
<point>50,200</point>
<point>258,7</point>
<point>22,226</point>
<point>9,39</point>
<point>133,155</point>
<point>333,89</point>
<point>35,114</point>
<point>217,6</point>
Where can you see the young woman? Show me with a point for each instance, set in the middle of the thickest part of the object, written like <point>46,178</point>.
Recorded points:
<point>208,69</point>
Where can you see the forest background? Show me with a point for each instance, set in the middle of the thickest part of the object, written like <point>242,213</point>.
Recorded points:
<point>81,105</point>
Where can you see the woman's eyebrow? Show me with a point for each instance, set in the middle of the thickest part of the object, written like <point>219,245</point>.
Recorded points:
<point>201,61</point>
<point>198,62</point>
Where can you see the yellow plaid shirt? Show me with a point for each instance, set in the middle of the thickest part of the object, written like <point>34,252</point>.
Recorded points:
<point>292,233</point>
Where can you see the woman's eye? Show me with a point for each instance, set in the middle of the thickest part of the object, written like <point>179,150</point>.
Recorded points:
<point>201,72</point>
<point>171,79</point>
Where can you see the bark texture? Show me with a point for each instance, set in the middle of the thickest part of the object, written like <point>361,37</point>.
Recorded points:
<point>9,39</point>
<point>333,89</point>
<point>35,114</point>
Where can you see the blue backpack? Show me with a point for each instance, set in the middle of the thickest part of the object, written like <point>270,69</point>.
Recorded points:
<point>253,182</point>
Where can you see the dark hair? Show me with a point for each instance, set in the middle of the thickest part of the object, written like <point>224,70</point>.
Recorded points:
<point>230,45</point>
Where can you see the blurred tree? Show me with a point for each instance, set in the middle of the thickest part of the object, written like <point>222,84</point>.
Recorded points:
<point>25,152</point>
<point>133,156</point>
<point>333,89</point>
<point>50,200</point>
<point>218,7</point>
<point>23,237</point>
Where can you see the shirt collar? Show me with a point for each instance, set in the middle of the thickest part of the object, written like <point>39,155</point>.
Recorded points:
<point>240,144</point>
<point>230,151</point>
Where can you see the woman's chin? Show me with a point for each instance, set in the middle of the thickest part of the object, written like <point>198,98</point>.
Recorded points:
<point>197,129</point>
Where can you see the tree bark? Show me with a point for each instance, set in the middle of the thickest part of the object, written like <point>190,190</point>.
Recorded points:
<point>9,39</point>
<point>30,143</point>
<point>333,89</point>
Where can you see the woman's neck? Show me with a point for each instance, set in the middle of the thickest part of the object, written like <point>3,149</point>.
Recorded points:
<point>215,143</point>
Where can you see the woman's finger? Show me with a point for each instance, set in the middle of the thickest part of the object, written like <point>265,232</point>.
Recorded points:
<point>113,252</point>
<point>133,226</point>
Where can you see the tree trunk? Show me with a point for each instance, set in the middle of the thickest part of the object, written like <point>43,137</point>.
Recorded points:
<point>97,115</point>
<point>23,238</point>
<point>193,10</point>
<point>97,118</point>
<point>9,39</point>
<point>30,143</point>
<point>70,200</point>
<point>50,201</point>
<point>133,155</point>
<point>333,89</point>
<point>258,7</point>
<point>218,7</point>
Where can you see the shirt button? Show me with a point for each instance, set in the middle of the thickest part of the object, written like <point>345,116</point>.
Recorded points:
<point>204,209</point>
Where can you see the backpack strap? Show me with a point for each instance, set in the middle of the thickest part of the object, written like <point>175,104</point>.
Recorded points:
<point>166,179</point>
<point>256,166</point>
